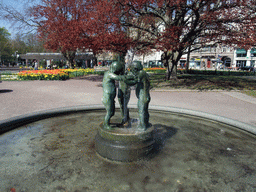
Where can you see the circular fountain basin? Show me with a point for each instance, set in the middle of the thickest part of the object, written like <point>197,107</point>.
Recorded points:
<point>124,143</point>
<point>192,152</point>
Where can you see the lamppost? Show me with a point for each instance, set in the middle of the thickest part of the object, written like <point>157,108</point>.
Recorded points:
<point>17,56</point>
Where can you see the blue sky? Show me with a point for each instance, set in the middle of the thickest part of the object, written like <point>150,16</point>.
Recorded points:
<point>13,3</point>
<point>18,5</point>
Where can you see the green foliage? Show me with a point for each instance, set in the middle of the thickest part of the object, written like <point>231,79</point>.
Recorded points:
<point>9,77</point>
<point>5,46</point>
<point>76,74</point>
<point>99,72</point>
<point>250,92</point>
<point>218,72</point>
<point>8,73</point>
<point>43,77</point>
<point>58,63</point>
<point>27,43</point>
<point>42,63</point>
<point>203,82</point>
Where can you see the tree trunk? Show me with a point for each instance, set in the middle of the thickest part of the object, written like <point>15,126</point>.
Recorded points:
<point>168,72</point>
<point>172,64</point>
<point>173,71</point>
<point>70,56</point>
<point>188,59</point>
<point>121,57</point>
<point>165,59</point>
<point>94,59</point>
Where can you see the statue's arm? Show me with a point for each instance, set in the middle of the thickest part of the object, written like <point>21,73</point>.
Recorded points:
<point>142,75</point>
<point>131,80</point>
<point>116,77</point>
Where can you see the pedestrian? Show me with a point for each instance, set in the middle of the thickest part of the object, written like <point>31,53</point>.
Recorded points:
<point>36,65</point>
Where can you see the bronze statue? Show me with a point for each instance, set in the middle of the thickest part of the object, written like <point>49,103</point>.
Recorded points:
<point>136,77</point>
<point>142,93</point>
<point>109,90</point>
<point>124,92</point>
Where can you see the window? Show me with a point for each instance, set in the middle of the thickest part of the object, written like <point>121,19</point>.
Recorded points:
<point>240,63</point>
<point>241,53</point>
<point>253,52</point>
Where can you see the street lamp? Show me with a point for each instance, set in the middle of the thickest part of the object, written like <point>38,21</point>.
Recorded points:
<point>17,56</point>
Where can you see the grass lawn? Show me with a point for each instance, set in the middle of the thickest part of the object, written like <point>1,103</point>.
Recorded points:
<point>200,82</point>
<point>205,82</point>
<point>250,92</point>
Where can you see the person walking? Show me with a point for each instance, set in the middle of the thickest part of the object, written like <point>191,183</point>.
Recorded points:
<point>36,65</point>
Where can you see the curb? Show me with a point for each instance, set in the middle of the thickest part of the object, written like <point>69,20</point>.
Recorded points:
<point>15,122</point>
<point>192,90</point>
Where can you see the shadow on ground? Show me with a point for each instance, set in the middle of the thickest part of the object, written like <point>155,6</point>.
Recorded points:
<point>161,135</point>
<point>5,90</point>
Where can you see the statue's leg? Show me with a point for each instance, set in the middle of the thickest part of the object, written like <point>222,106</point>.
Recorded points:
<point>121,102</point>
<point>146,114</point>
<point>143,112</point>
<point>141,115</point>
<point>110,108</point>
<point>126,110</point>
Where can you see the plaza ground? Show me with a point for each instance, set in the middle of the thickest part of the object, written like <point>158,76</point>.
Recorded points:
<point>23,97</point>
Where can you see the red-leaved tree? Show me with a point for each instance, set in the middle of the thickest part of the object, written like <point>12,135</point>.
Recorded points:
<point>176,26</point>
<point>172,26</point>
<point>63,26</point>
<point>109,33</point>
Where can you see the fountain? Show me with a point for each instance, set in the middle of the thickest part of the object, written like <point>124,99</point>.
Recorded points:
<point>70,149</point>
<point>129,139</point>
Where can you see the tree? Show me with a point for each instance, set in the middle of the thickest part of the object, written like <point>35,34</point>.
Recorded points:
<point>5,45</point>
<point>33,43</point>
<point>27,43</point>
<point>57,22</point>
<point>63,25</point>
<point>109,34</point>
<point>175,26</point>
<point>19,15</point>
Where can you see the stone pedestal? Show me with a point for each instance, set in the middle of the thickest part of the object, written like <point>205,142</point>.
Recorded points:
<point>124,144</point>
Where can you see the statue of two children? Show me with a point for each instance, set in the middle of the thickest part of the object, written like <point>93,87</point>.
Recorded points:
<point>137,77</point>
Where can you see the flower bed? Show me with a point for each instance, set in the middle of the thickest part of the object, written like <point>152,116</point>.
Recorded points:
<point>155,70</point>
<point>56,74</point>
<point>78,72</point>
<point>13,77</point>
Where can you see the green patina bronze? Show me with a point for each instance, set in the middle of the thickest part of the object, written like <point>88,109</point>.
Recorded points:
<point>124,92</point>
<point>116,72</point>
<point>136,76</point>
<point>142,93</point>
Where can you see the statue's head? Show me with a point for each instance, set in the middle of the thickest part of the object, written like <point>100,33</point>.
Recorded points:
<point>117,68</point>
<point>136,67</point>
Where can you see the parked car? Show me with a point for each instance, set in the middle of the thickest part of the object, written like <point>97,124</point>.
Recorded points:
<point>247,68</point>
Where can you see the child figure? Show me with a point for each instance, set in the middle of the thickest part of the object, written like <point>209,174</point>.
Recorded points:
<point>116,72</point>
<point>142,93</point>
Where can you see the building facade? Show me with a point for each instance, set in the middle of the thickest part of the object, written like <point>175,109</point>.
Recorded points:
<point>217,57</point>
<point>82,59</point>
<point>244,57</point>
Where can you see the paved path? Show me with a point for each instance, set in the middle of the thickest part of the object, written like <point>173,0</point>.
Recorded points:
<point>22,97</point>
